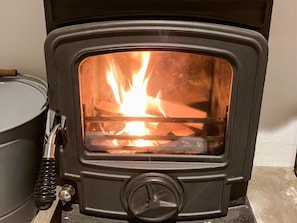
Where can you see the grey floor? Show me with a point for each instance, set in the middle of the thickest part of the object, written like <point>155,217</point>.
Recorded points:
<point>272,194</point>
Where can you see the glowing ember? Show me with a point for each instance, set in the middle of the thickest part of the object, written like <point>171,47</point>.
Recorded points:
<point>133,101</point>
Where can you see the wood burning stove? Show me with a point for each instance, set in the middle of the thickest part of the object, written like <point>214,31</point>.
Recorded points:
<point>161,101</point>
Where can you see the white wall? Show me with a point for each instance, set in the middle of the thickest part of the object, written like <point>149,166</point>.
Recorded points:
<point>277,136</point>
<point>22,33</point>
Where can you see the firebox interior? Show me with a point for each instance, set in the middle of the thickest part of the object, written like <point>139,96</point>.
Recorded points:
<point>154,102</point>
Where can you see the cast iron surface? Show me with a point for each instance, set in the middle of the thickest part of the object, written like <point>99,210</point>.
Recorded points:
<point>253,14</point>
<point>208,179</point>
<point>153,197</point>
<point>239,214</point>
<point>218,175</point>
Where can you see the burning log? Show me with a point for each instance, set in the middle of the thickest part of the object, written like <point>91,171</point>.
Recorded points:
<point>176,129</point>
<point>175,110</point>
<point>105,108</point>
<point>156,107</point>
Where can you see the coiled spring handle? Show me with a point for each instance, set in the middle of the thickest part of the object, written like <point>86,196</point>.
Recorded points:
<point>45,188</point>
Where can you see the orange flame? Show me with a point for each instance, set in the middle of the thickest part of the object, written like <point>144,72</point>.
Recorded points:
<point>132,102</point>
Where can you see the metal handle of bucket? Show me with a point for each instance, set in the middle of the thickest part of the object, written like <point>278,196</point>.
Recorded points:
<point>45,188</point>
<point>5,73</point>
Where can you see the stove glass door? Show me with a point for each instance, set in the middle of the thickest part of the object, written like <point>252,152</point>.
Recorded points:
<point>154,102</point>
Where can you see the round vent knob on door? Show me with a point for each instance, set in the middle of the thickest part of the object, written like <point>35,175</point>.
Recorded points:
<point>153,197</point>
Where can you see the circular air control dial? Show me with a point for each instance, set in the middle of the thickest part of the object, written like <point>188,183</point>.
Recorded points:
<point>153,197</point>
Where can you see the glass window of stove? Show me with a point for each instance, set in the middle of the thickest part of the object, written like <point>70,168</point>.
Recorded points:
<point>154,102</point>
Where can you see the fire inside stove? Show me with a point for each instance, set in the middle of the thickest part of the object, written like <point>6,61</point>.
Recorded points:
<point>155,102</point>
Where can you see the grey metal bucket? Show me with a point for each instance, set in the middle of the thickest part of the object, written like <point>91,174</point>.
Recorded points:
<point>22,127</point>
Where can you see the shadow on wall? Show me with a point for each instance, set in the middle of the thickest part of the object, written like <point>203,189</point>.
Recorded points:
<point>279,105</point>
<point>277,135</point>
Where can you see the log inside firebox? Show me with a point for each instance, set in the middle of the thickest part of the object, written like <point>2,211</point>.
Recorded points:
<point>156,107</point>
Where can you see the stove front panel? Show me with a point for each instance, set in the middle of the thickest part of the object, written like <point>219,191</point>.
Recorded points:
<point>86,63</point>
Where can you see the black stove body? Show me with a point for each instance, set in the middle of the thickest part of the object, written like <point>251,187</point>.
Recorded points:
<point>189,155</point>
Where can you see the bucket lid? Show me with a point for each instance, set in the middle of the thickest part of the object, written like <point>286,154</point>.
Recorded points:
<point>21,100</point>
